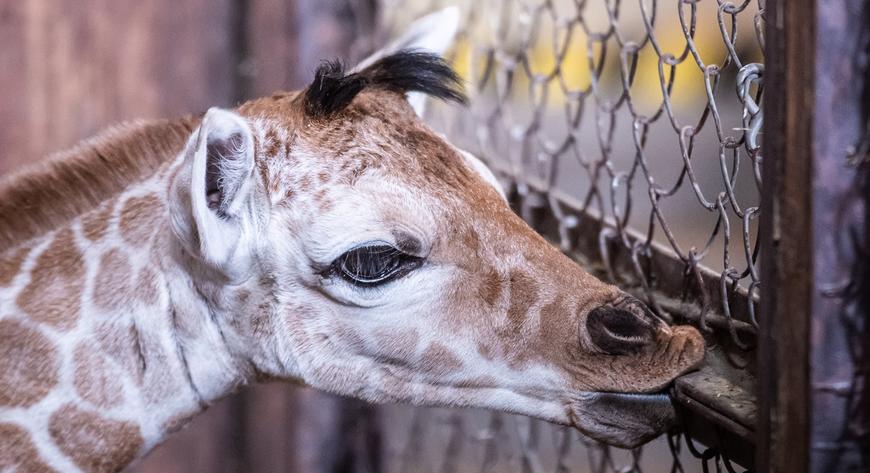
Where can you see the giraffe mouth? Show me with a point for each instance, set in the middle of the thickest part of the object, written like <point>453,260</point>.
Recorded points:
<point>623,420</point>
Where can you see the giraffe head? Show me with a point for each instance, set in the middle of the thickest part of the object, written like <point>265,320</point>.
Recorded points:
<point>354,249</point>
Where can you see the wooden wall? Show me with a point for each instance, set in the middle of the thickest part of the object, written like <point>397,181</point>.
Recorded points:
<point>68,69</point>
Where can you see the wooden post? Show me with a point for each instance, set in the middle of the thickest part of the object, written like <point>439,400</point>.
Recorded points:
<point>813,231</point>
<point>69,70</point>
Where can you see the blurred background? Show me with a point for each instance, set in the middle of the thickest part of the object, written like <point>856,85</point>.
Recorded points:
<point>597,100</point>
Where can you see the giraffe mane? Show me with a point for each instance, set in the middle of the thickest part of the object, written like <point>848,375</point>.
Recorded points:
<point>405,71</point>
<point>50,193</point>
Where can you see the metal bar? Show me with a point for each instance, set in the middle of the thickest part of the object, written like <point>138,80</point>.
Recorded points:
<point>813,236</point>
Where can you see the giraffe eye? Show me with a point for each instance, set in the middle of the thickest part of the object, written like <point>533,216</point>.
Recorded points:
<point>373,265</point>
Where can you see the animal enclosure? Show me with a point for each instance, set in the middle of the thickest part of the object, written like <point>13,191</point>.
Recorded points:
<point>628,133</point>
<point>632,135</point>
<point>707,156</point>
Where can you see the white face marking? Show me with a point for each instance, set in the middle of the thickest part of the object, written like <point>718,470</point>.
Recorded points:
<point>454,307</point>
<point>376,210</point>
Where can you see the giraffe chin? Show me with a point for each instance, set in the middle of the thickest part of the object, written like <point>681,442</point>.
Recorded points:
<point>623,420</point>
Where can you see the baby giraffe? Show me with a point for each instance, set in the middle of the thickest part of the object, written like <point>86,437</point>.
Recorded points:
<point>325,236</point>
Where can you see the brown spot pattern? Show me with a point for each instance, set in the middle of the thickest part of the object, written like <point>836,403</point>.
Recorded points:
<point>53,294</point>
<point>479,382</point>
<point>121,344</point>
<point>351,171</point>
<point>261,321</point>
<point>305,184</point>
<point>77,180</point>
<point>470,239</point>
<point>94,443</point>
<point>324,205</point>
<point>438,360</point>
<point>320,196</point>
<point>490,287</point>
<point>485,349</point>
<point>10,264</point>
<point>147,287</point>
<point>396,345</point>
<point>349,337</point>
<point>28,365</point>
<point>558,328</point>
<point>112,289</point>
<point>17,451</point>
<point>274,145</point>
<point>524,293</point>
<point>161,379</point>
<point>139,217</point>
<point>95,223</point>
<point>141,354</point>
<point>96,380</point>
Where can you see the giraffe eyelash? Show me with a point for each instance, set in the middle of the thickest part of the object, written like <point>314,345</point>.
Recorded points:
<point>373,265</point>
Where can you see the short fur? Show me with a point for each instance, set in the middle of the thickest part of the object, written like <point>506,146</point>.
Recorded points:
<point>42,197</point>
<point>134,316</point>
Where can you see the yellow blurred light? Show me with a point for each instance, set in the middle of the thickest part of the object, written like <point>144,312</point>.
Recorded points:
<point>573,70</point>
<point>689,86</point>
<point>461,59</point>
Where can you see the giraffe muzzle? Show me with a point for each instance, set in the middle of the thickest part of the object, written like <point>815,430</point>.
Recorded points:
<point>623,420</point>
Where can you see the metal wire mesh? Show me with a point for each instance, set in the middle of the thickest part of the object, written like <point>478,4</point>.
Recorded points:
<point>636,120</point>
<point>449,440</point>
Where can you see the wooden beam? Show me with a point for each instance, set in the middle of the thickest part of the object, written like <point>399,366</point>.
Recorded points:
<point>786,240</point>
<point>812,233</point>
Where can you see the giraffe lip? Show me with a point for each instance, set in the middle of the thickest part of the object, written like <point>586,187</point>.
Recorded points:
<point>624,420</point>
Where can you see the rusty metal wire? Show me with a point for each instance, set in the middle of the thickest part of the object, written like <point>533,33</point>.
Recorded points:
<point>634,127</point>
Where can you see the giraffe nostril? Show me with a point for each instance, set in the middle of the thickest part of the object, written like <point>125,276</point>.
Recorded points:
<point>618,331</point>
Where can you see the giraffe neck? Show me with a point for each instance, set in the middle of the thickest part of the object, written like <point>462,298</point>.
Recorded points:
<point>107,340</point>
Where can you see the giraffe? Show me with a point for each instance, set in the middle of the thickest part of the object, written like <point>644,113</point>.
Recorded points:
<point>325,236</point>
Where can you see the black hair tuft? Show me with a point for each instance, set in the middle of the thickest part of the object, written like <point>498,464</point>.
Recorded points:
<point>404,71</point>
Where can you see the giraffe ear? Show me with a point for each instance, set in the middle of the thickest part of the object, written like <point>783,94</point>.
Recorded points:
<point>219,162</point>
<point>475,163</point>
<point>223,163</point>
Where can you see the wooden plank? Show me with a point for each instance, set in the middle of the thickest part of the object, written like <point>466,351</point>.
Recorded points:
<point>785,238</point>
<point>273,39</point>
<point>814,239</point>
<point>209,444</point>
<point>331,30</point>
<point>13,108</point>
<point>286,40</point>
<point>269,418</point>
<point>70,69</point>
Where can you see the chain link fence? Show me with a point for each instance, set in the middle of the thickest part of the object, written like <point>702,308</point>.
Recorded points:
<point>445,440</point>
<point>628,132</point>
